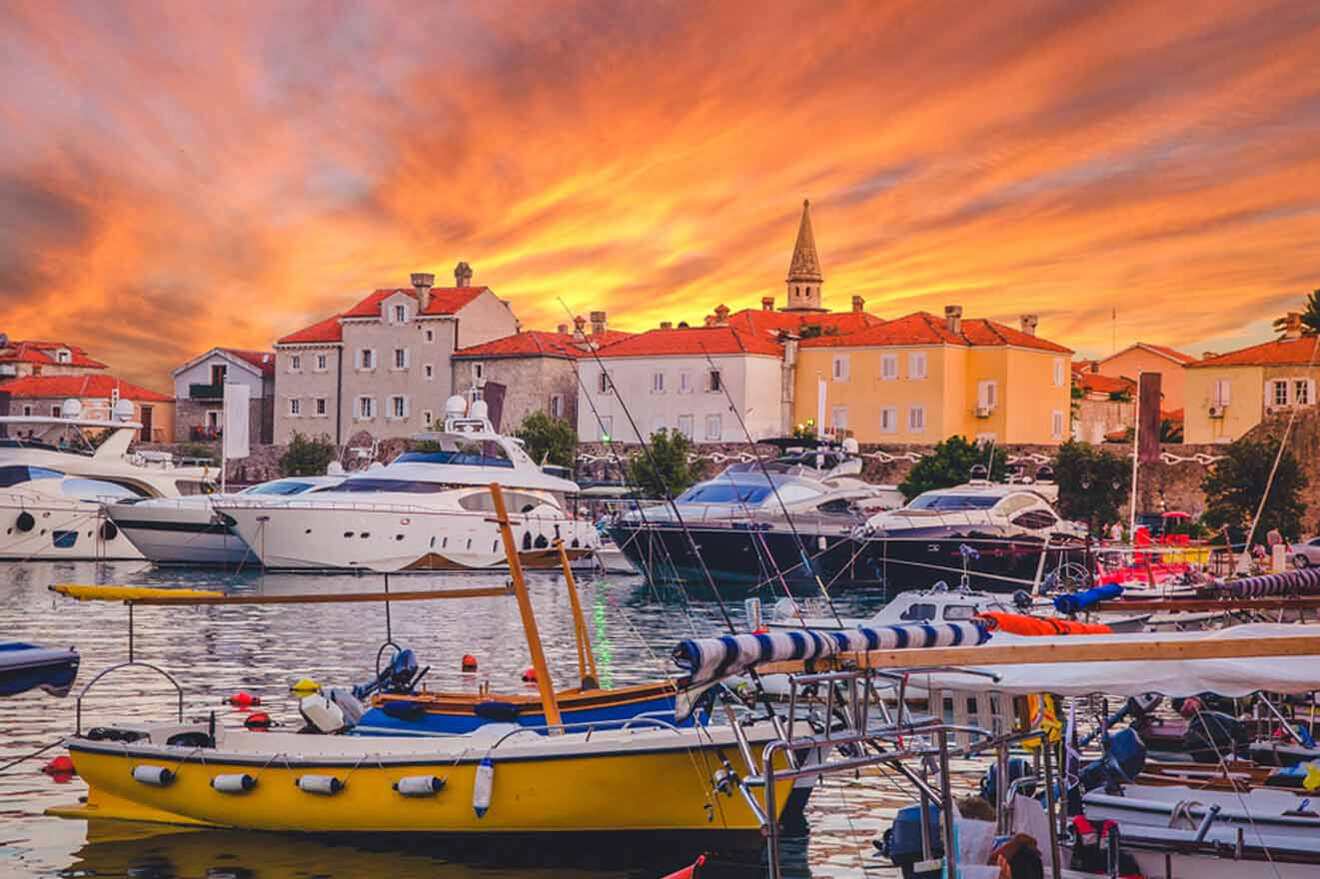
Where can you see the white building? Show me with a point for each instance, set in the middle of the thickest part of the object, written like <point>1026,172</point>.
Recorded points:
<point>199,388</point>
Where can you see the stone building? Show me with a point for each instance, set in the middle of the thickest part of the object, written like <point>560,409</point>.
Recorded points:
<point>43,395</point>
<point>1104,406</point>
<point>199,393</point>
<point>19,359</point>
<point>383,365</point>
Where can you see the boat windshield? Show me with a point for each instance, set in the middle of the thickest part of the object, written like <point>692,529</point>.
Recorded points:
<point>367,485</point>
<point>725,493</point>
<point>485,454</point>
<point>949,502</point>
<point>96,489</point>
<point>17,474</point>
<point>280,487</point>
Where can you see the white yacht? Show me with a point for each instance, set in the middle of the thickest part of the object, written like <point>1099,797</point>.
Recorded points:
<point>188,530</point>
<point>427,510</point>
<point>55,481</point>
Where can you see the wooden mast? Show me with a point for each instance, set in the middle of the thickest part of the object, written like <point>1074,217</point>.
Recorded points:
<point>543,682</point>
<point>586,659</point>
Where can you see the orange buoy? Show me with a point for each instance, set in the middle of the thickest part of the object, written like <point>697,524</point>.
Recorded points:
<point>469,662</point>
<point>258,721</point>
<point>529,675</point>
<point>61,765</point>
<point>243,699</point>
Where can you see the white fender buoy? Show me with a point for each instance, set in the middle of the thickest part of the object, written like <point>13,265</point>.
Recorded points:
<point>234,784</point>
<point>325,785</point>
<point>156,776</point>
<point>419,786</point>
<point>483,784</point>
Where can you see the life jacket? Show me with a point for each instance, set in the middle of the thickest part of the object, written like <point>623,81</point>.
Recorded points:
<point>1089,855</point>
<point>1022,624</point>
<point>1042,714</point>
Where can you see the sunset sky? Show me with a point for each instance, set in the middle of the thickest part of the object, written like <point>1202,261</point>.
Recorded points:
<point>180,175</point>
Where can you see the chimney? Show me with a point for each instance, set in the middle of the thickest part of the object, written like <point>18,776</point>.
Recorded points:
<point>1095,366</point>
<point>666,324</point>
<point>422,283</point>
<point>579,325</point>
<point>1292,325</point>
<point>562,329</point>
<point>710,320</point>
<point>597,323</point>
<point>462,275</point>
<point>767,303</point>
<point>721,315</point>
<point>1028,322</point>
<point>953,317</point>
<point>858,304</point>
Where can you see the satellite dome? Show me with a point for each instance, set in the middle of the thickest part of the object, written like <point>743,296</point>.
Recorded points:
<point>851,446</point>
<point>479,409</point>
<point>334,468</point>
<point>71,408</point>
<point>124,410</point>
<point>455,406</point>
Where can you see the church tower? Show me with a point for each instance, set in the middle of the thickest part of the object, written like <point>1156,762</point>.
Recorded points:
<point>804,278</point>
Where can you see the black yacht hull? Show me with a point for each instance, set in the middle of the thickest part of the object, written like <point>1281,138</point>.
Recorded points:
<point>997,562</point>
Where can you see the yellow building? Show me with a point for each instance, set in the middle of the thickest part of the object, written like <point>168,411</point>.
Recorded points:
<point>1228,394</point>
<point>918,380</point>
<point>1141,357</point>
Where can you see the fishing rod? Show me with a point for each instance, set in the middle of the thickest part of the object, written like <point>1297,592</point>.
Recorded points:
<point>788,517</point>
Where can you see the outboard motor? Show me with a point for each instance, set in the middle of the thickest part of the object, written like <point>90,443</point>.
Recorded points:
<point>1124,758</point>
<point>322,715</point>
<point>901,843</point>
<point>398,678</point>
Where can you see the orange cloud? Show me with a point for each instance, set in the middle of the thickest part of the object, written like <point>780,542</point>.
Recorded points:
<point>172,179</point>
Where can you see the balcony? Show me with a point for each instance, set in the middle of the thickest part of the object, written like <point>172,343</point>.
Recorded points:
<point>206,392</point>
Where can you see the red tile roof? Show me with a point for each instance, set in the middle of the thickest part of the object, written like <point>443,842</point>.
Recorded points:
<point>924,328</point>
<point>1281,352</point>
<point>538,343</point>
<point>763,322</point>
<point>262,360</point>
<point>97,386</point>
<point>43,353</point>
<point>324,332</point>
<point>692,341</point>
<point>1095,383</point>
<point>1163,350</point>
<point>444,300</point>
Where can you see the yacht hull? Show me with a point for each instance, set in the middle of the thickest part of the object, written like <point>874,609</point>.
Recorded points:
<point>60,530</point>
<point>186,533</point>
<point>1000,563</point>
<point>382,537</point>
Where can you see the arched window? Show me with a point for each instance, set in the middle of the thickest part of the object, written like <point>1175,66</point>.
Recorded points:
<point>797,291</point>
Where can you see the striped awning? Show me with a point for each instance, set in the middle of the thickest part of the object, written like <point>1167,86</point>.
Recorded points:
<point>1305,581</point>
<point>707,659</point>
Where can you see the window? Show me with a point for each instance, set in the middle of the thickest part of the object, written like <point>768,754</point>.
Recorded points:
<point>319,407</point>
<point>400,358</point>
<point>889,367</point>
<point>114,395</point>
<point>295,363</point>
<point>657,424</point>
<point>55,411</point>
<point>1302,392</point>
<point>603,383</point>
<point>556,405</point>
<point>987,394</point>
<point>27,411</point>
<point>295,407</point>
<point>1056,424</point>
<point>685,382</point>
<point>606,428</point>
<point>400,313</point>
<point>840,368</point>
<point>889,419</point>
<point>917,364</point>
<point>62,356</point>
<point>713,383</point>
<point>218,373</point>
<point>1278,395</point>
<point>657,382</point>
<point>478,372</point>
<point>1058,372</point>
<point>429,371</point>
<point>322,362</point>
<point>1222,391</point>
<point>398,407</point>
<point>685,426</point>
<point>917,419</point>
<point>839,418</point>
<point>366,407</point>
<point>367,358</point>
<point>714,430</point>
<point>430,335</point>
<point>213,419</point>
<point>428,417</point>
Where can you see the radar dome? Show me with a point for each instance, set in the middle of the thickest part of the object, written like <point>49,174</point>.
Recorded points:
<point>850,445</point>
<point>479,409</point>
<point>334,468</point>
<point>455,406</point>
<point>71,408</point>
<point>124,410</point>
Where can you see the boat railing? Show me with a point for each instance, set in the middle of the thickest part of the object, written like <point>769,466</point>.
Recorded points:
<point>655,719</point>
<point>132,663</point>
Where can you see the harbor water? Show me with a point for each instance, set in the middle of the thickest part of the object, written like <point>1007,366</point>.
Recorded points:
<point>217,651</point>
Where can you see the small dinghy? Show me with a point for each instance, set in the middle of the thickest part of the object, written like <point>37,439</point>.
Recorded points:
<point>24,666</point>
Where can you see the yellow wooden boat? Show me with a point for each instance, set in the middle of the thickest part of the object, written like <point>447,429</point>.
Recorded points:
<point>502,779</point>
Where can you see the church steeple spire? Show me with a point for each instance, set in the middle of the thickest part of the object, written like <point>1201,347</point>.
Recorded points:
<point>804,276</point>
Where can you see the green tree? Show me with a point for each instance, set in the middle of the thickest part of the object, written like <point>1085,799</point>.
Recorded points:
<point>951,464</point>
<point>1310,316</point>
<point>548,440</point>
<point>667,471</point>
<point>1233,490</point>
<point>306,456</point>
<point>1093,484</point>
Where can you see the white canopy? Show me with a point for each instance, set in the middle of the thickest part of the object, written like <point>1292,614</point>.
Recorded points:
<point>1168,677</point>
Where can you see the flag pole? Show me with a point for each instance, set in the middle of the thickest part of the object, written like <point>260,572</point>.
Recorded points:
<point>1136,458</point>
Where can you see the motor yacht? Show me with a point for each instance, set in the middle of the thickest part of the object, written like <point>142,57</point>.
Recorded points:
<point>1000,537</point>
<point>783,521</point>
<point>189,531</point>
<point>58,472</point>
<point>429,509</point>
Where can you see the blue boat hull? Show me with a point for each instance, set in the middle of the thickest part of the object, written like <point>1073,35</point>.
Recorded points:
<point>26,666</point>
<point>398,721</point>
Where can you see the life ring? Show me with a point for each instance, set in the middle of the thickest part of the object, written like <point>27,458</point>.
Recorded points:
<point>109,531</point>
<point>25,521</point>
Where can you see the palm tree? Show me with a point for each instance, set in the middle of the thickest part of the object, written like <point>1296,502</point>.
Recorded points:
<point>1310,317</point>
